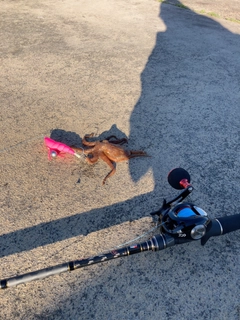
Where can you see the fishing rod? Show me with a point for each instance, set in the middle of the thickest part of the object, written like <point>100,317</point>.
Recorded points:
<point>179,222</point>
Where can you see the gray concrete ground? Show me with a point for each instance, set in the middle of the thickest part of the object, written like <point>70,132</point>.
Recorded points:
<point>168,79</point>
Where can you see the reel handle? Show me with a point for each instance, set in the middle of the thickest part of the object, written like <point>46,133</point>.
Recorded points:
<point>179,178</point>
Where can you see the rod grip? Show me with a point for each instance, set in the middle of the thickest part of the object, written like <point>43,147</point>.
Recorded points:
<point>230,223</point>
<point>221,226</point>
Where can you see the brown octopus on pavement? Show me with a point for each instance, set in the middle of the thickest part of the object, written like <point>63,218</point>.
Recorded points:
<point>109,152</point>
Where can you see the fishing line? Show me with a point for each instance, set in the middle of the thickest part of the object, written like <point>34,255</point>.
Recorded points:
<point>111,249</point>
<point>23,142</point>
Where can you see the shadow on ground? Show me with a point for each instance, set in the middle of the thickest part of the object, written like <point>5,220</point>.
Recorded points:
<point>187,115</point>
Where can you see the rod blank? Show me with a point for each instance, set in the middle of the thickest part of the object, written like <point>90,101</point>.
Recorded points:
<point>156,243</point>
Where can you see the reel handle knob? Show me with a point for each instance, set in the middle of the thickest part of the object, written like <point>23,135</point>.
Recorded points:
<point>179,178</point>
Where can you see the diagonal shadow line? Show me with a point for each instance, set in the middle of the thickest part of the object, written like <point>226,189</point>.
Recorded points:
<point>72,226</point>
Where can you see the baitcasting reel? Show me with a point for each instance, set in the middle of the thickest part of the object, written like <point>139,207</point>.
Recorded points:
<point>181,219</point>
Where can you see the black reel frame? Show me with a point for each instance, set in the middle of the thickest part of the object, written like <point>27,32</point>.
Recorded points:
<point>163,213</point>
<point>191,228</point>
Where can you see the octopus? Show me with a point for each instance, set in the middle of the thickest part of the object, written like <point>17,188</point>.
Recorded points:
<point>109,151</point>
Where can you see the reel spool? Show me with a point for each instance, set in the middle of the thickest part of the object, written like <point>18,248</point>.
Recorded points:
<point>185,220</point>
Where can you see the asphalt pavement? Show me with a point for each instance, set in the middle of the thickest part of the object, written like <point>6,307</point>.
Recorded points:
<point>162,75</point>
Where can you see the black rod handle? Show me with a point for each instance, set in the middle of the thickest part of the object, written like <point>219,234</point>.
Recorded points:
<point>230,223</point>
<point>221,226</point>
